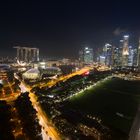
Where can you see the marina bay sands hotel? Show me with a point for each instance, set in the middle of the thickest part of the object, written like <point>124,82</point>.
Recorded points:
<point>27,54</point>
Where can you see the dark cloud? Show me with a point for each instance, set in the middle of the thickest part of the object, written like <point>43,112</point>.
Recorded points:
<point>118,31</point>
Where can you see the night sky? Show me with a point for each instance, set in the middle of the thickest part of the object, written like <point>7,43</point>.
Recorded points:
<point>61,28</point>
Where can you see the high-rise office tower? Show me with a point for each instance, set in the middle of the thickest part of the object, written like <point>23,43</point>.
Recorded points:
<point>135,52</point>
<point>116,58</point>
<point>125,51</point>
<point>107,52</point>
<point>86,55</point>
<point>81,56</point>
<point>138,57</point>
<point>130,56</point>
<point>120,49</point>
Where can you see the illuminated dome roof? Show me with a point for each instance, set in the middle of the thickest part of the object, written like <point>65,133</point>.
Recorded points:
<point>53,68</point>
<point>4,67</point>
<point>33,71</point>
<point>31,74</point>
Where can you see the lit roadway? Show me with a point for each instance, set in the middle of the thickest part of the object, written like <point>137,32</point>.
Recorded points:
<point>11,96</point>
<point>66,77</point>
<point>47,129</point>
<point>63,78</point>
<point>135,130</point>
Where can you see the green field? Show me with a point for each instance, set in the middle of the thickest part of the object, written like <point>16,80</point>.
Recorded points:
<point>109,98</point>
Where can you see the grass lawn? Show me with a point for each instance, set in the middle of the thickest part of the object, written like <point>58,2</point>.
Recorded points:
<point>108,99</point>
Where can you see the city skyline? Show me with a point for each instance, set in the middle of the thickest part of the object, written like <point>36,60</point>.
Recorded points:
<point>60,28</point>
<point>69,70</point>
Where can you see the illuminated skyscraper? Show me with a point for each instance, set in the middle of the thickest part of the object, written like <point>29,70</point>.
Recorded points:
<point>120,53</point>
<point>116,58</point>
<point>125,51</point>
<point>102,60</point>
<point>81,56</point>
<point>131,56</point>
<point>86,55</point>
<point>107,53</point>
<point>138,56</point>
<point>135,52</point>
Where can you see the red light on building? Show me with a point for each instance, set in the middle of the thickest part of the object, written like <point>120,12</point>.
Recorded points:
<point>86,73</point>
